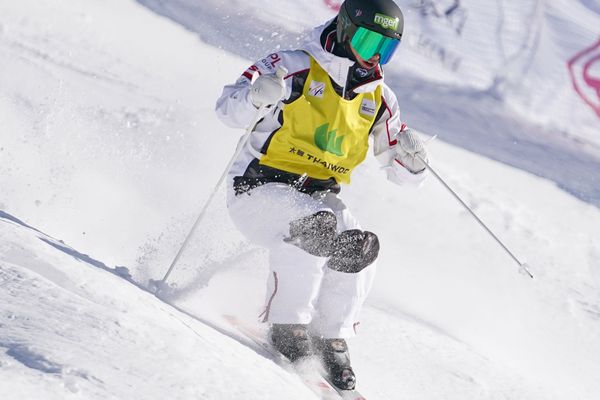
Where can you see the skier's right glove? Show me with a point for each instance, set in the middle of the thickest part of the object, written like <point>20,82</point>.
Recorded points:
<point>268,89</point>
<point>410,151</point>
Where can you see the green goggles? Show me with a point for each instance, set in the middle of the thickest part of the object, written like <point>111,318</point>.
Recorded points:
<point>367,43</point>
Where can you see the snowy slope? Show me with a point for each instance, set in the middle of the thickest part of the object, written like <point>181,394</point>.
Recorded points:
<point>109,143</point>
<point>514,80</point>
<point>72,331</point>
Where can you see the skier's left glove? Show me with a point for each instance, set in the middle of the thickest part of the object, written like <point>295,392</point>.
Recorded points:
<point>410,151</point>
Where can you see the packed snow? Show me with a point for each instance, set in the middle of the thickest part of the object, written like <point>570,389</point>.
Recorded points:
<point>109,147</point>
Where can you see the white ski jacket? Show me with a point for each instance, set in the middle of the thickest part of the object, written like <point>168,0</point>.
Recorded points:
<point>235,109</point>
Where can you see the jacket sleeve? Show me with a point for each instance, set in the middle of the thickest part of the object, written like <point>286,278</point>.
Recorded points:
<point>234,108</point>
<point>386,128</point>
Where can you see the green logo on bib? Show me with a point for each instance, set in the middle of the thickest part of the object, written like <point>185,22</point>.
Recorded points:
<point>328,140</point>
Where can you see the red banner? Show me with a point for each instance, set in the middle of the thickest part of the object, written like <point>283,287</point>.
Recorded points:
<point>333,4</point>
<point>584,82</point>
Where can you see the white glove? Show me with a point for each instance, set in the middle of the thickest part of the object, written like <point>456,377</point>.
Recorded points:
<point>409,146</point>
<point>268,89</point>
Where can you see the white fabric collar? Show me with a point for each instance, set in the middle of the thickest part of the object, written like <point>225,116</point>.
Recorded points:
<point>336,67</point>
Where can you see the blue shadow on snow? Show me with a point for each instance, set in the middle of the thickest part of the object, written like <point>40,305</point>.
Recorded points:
<point>122,272</point>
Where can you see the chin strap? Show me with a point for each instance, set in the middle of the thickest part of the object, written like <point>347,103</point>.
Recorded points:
<point>348,50</point>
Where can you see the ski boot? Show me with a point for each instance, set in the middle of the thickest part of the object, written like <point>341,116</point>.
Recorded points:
<point>336,360</point>
<point>291,340</point>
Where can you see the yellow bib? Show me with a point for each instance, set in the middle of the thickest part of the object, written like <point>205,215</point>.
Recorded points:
<point>323,135</point>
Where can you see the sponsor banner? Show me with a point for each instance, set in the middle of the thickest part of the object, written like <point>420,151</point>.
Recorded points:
<point>584,70</point>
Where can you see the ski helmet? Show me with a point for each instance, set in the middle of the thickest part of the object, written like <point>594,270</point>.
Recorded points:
<point>371,27</point>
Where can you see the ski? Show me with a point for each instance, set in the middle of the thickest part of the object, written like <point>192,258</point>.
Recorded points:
<point>312,378</point>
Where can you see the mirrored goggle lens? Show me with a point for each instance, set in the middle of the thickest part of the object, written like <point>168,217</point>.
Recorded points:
<point>367,43</point>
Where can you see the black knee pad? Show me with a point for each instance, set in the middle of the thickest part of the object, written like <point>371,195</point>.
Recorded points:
<point>353,250</point>
<point>314,234</point>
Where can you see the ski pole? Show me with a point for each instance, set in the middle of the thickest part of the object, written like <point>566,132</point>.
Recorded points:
<point>523,267</point>
<point>260,113</point>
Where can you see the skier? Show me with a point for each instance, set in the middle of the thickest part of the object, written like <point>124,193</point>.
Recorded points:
<point>324,101</point>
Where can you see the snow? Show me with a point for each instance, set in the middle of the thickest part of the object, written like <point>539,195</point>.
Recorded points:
<point>109,143</point>
<point>508,67</point>
<point>71,331</point>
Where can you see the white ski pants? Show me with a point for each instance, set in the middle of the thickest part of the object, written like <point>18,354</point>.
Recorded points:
<point>301,289</point>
